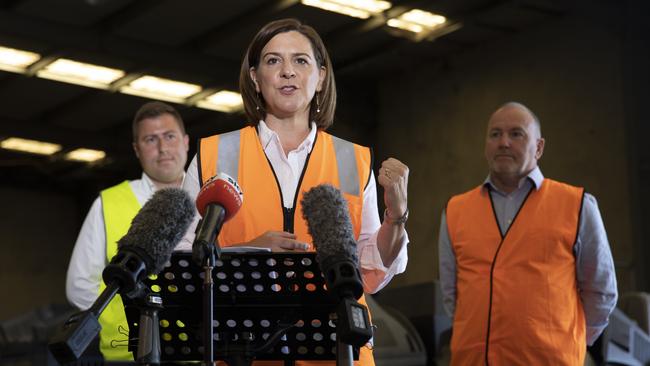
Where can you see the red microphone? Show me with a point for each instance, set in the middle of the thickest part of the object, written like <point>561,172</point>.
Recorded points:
<point>218,200</point>
<point>222,190</point>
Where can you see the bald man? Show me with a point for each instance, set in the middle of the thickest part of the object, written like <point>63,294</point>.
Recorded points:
<point>525,266</point>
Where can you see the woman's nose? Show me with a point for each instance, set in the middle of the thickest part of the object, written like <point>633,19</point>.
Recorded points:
<point>287,72</point>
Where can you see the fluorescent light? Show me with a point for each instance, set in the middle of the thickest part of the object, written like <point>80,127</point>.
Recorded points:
<point>417,21</point>
<point>30,146</point>
<point>355,8</point>
<point>423,18</point>
<point>87,155</point>
<point>222,101</point>
<point>159,88</point>
<point>398,23</point>
<point>79,73</point>
<point>14,60</point>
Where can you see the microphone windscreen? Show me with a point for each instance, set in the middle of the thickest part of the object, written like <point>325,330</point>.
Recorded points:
<point>222,190</point>
<point>159,227</point>
<point>326,212</point>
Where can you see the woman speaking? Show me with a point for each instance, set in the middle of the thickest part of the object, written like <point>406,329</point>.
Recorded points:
<point>287,84</point>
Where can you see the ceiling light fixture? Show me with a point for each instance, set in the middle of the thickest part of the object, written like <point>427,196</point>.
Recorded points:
<point>158,88</point>
<point>418,21</point>
<point>30,146</point>
<point>14,60</point>
<point>362,9</point>
<point>222,101</point>
<point>80,73</point>
<point>87,155</point>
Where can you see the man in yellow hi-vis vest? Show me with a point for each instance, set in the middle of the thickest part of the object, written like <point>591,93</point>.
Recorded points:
<point>161,145</point>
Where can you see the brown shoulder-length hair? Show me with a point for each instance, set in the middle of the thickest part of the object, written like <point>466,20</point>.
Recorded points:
<point>254,106</point>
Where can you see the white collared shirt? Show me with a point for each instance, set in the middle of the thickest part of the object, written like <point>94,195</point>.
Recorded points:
<point>288,168</point>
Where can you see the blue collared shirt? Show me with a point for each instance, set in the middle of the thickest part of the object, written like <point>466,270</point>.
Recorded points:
<point>594,264</point>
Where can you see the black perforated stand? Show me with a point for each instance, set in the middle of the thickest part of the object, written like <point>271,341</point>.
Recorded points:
<point>267,306</point>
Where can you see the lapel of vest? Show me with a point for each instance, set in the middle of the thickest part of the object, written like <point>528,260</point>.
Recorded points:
<point>546,223</point>
<point>262,205</point>
<point>318,169</point>
<point>523,207</point>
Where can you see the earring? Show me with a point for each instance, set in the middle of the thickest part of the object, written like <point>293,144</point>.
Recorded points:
<point>317,104</point>
<point>258,102</point>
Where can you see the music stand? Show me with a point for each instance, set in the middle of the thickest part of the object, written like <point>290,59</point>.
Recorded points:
<point>267,306</point>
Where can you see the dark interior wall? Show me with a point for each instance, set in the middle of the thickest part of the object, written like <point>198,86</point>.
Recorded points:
<point>38,232</point>
<point>356,112</point>
<point>568,71</point>
<point>636,78</point>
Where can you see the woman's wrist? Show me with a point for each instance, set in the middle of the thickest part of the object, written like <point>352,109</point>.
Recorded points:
<point>393,220</point>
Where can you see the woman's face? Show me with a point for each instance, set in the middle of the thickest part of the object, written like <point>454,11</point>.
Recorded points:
<point>288,75</point>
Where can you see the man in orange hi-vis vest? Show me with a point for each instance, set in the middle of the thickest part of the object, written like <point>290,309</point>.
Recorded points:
<point>525,266</point>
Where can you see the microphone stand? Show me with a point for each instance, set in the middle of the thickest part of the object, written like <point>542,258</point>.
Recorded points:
<point>81,328</point>
<point>205,253</point>
<point>353,326</point>
<point>208,315</point>
<point>149,331</point>
<point>122,275</point>
<point>343,352</point>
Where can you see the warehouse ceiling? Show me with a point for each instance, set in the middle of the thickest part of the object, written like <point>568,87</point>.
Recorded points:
<point>199,42</point>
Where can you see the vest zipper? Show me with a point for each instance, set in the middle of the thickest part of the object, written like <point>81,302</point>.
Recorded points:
<point>288,214</point>
<point>288,219</point>
<point>494,260</point>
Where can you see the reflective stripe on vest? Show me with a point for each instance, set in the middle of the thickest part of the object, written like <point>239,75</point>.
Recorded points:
<point>228,160</point>
<point>119,207</point>
<point>517,296</point>
<point>229,153</point>
<point>332,160</point>
<point>346,161</point>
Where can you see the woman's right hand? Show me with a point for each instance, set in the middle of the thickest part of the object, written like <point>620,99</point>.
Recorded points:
<point>278,241</point>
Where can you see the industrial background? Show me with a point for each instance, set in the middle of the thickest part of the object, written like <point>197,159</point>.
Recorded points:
<point>581,66</point>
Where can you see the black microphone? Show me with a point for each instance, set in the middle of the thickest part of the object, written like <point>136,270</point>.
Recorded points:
<point>326,212</point>
<point>154,232</point>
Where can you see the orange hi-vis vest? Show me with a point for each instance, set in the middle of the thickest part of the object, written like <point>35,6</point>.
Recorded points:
<point>240,155</point>
<point>517,301</point>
